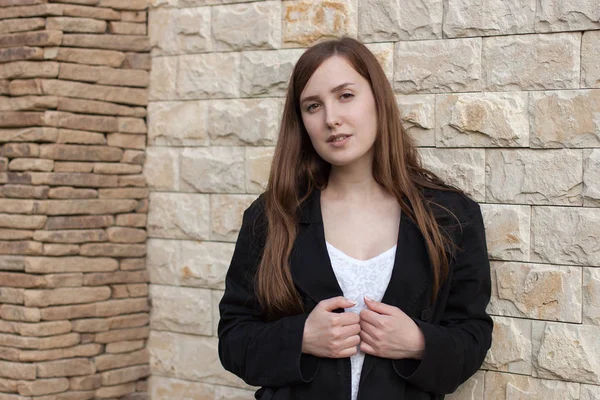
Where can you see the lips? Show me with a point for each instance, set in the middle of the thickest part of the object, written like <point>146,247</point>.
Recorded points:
<point>338,137</point>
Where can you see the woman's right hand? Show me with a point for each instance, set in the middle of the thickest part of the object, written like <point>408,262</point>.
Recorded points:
<point>331,335</point>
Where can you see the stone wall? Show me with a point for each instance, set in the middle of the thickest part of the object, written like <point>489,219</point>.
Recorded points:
<point>503,98</point>
<point>74,312</point>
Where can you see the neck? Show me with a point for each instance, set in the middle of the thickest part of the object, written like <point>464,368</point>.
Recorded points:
<point>354,181</point>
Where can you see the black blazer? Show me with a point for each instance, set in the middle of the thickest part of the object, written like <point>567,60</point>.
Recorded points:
<point>456,327</point>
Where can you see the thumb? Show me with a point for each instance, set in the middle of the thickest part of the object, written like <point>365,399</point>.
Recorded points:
<point>378,307</point>
<point>336,302</point>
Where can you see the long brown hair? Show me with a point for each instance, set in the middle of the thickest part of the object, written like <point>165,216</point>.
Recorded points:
<point>297,170</point>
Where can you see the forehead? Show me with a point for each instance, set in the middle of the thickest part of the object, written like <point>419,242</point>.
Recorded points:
<point>331,73</point>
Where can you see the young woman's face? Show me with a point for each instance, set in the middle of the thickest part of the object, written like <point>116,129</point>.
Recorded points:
<point>339,114</point>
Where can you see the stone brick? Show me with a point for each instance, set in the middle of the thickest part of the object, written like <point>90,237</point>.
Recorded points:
<point>126,141</point>
<point>213,169</point>
<point>86,382</point>
<point>64,280</point>
<point>258,26</point>
<point>382,21</point>
<point>63,296</point>
<point>266,73</point>
<point>591,297</point>
<point>482,120</point>
<point>53,249</point>
<point>104,75</point>
<point>566,352</point>
<point>126,235</point>
<point>138,181</point>
<point>129,321</point>
<point>85,56</point>
<point>461,167</point>
<point>26,247</point>
<point>178,123</point>
<point>134,16</point>
<point>123,193</point>
<point>258,165</point>
<point>107,42</point>
<point>511,386</point>
<point>132,125</point>
<point>73,179</point>
<point>28,103</point>
<point>110,361</point>
<point>507,231</point>
<point>117,169</point>
<point>590,70</point>
<point>43,386</point>
<point>244,122</point>
<point>164,260</point>
<point>178,309</point>
<point>21,119</point>
<point>131,5</point>
<point>26,87</point>
<point>551,62</point>
<point>12,263</point>
<point>536,291</point>
<point>81,122</point>
<point>116,277</point>
<point>116,94</point>
<point>15,234</point>
<point>123,334</point>
<point>308,22</point>
<point>18,206</point>
<point>19,342</point>
<point>18,313</point>
<point>81,25</point>
<point>68,136</point>
<point>18,280</point>
<point>226,215</point>
<point>102,309</point>
<point>125,375</point>
<point>127,28</point>
<point>67,166</point>
<point>115,391</point>
<point>202,76</point>
<point>163,388</point>
<point>28,69</point>
<point>570,15</point>
<point>31,164</point>
<point>71,236</point>
<point>12,150</point>
<point>137,61</point>
<point>417,113</point>
<point>28,134</point>
<point>24,191</point>
<point>163,85</point>
<point>511,346</point>
<point>90,325</point>
<point>40,265</point>
<point>435,66</point>
<point>125,347</point>
<point>113,250</point>
<point>21,24</point>
<point>90,12</point>
<point>534,177</point>
<point>384,53</point>
<point>79,222</point>
<point>98,107</point>
<point>231,393</point>
<point>36,38</point>
<point>65,368</point>
<point>467,18</point>
<point>134,157</point>
<point>564,118</point>
<point>45,328</point>
<point>8,386</point>
<point>131,264</point>
<point>60,341</point>
<point>11,296</point>
<point>17,371</point>
<point>180,31</point>
<point>188,220</point>
<point>91,206</point>
<point>589,392</point>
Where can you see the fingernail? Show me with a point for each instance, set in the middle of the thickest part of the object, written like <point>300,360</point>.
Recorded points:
<point>368,298</point>
<point>353,302</point>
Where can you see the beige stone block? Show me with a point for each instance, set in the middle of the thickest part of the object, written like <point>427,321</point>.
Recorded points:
<point>531,62</point>
<point>180,31</point>
<point>81,25</point>
<point>383,21</point>
<point>384,53</point>
<point>90,12</point>
<point>96,279</point>
<point>64,280</point>
<point>258,165</point>
<point>65,368</point>
<point>85,56</point>
<point>43,386</point>
<point>86,382</point>
<point>125,347</point>
<point>135,220</point>
<point>18,313</point>
<point>21,24</point>
<point>511,346</point>
<point>507,231</point>
<point>26,247</point>
<point>92,206</point>
<point>15,234</point>
<point>20,206</point>
<point>8,385</point>
<point>127,28</point>
<point>132,125</point>
<point>590,70</point>
<point>589,392</point>
<point>417,113</point>
<point>482,120</point>
<point>308,22</point>
<point>460,167</point>
<point>19,342</point>
<point>69,395</point>
<point>98,107</point>
<point>564,235</point>
<point>123,193</point>
<point>202,76</point>
<point>12,263</point>
<point>472,389</point>
<point>257,26</point>
<point>22,221</point>
<point>43,38</point>
<point>137,61</point>
<point>213,170</point>
<point>511,386</point>
<point>28,135</point>
<point>103,309</point>
<point>162,388</point>
<point>435,66</point>
<point>79,222</point>
<point>24,191</point>
<point>104,75</point>
<point>73,179</point>
<point>80,153</point>
<point>45,328</point>
<point>60,341</point>
<point>53,249</point>
<point>60,296</point>
<point>17,371</point>
<point>566,352</point>
<point>564,118</point>
<point>131,264</point>
<point>536,291</point>
<point>13,279</point>
<point>12,150</point>
<point>129,321</point>
<point>123,334</point>
<point>71,236</point>
<point>68,166</point>
<point>116,94</point>
<point>161,169</point>
<point>11,296</point>
<point>178,123</point>
<point>163,78</point>
<point>591,296</point>
<point>28,69</point>
<point>134,16</point>
<point>231,393</point>
<point>488,18</point>
<point>22,53</point>
<point>125,375</point>
<point>135,5</point>
<point>139,43</point>
<point>126,141</point>
<point>179,309</point>
<point>164,261</point>
<point>534,177</point>
<point>133,157</point>
<point>252,122</point>
<point>178,216</point>
<point>37,265</point>
<point>31,164</point>
<point>117,169</point>
<point>169,357</point>
<point>111,361</point>
<point>113,250</point>
<point>266,73</point>
<point>91,325</point>
<point>566,15</point>
<point>226,215</point>
<point>28,103</point>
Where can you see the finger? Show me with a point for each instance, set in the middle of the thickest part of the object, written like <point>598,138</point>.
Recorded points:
<point>348,318</point>
<point>370,316</point>
<point>369,329</point>
<point>350,330</point>
<point>351,341</point>
<point>365,337</point>
<point>349,352</point>
<point>336,302</point>
<point>366,348</point>
<point>380,308</point>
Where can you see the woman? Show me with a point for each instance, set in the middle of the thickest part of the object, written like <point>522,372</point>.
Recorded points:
<point>358,274</point>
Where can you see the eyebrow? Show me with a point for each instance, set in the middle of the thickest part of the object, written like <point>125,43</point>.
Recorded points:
<point>335,89</point>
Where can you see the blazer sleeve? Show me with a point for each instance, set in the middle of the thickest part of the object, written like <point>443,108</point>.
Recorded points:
<point>456,347</point>
<point>261,353</point>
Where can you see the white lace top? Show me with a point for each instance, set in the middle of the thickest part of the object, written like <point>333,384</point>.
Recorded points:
<point>358,278</point>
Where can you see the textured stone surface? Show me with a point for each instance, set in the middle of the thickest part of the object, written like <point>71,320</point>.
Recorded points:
<point>111,361</point>
<point>511,386</point>
<point>589,392</point>
<point>226,215</point>
<point>104,75</point>
<point>244,122</point>
<point>43,386</point>
<point>507,231</point>
<point>536,291</point>
<point>566,352</point>
<point>204,76</point>
<point>565,118</point>
<point>482,120</point>
<point>162,85</point>
<point>185,310</point>
<point>71,367</point>
<point>472,389</point>
<point>178,216</point>
<point>435,66</point>
<point>590,70</point>
<point>180,31</point>
<point>462,168</point>
<point>418,117</point>
<point>511,346</point>
<point>28,69</point>
<point>180,123</point>
<point>81,25</point>
<point>213,170</point>
<point>565,235</point>
<point>258,165</point>
<point>307,22</point>
<point>162,388</point>
<point>591,296</point>
<point>552,62</point>
<point>266,73</point>
<point>399,20</point>
<point>44,298</point>
<point>257,26</point>
<point>534,177</point>
<point>69,264</point>
<point>86,56</point>
<point>384,53</point>
<point>485,18</point>
<point>566,15</point>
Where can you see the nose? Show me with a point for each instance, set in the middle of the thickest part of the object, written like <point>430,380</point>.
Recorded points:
<point>332,117</point>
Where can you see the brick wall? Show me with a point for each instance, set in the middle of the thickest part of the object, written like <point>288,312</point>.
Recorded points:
<point>503,99</point>
<point>74,312</point>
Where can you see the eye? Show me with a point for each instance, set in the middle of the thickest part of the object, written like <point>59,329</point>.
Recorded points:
<point>312,107</point>
<point>346,96</point>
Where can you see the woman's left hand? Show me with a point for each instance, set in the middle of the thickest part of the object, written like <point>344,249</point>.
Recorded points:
<point>387,332</point>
